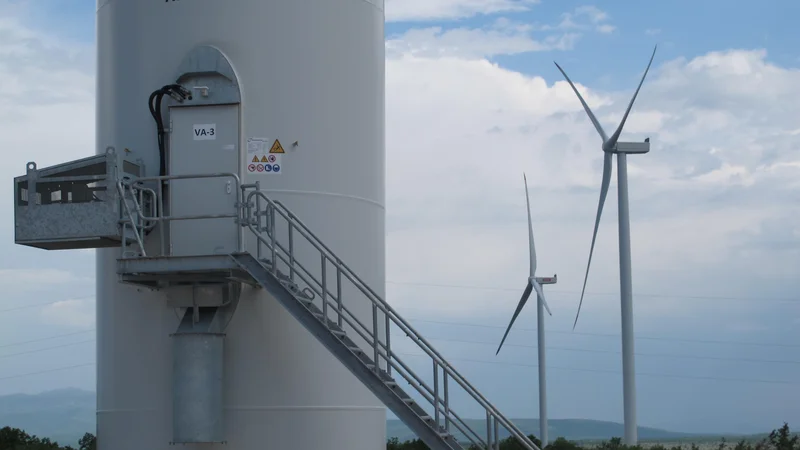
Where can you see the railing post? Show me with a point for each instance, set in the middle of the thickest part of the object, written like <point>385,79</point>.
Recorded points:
<point>388,346</point>
<point>240,212</point>
<point>488,430</point>
<point>446,401</point>
<point>339,294</point>
<point>273,241</point>
<point>496,436</point>
<point>436,394</point>
<point>162,228</point>
<point>291,250</point>
<point>324,289</point>
<point>257,218</point>
<point>375,336</point>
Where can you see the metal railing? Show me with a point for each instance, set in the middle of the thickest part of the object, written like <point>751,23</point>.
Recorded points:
<point>260,215</point>
<point>137,190</point>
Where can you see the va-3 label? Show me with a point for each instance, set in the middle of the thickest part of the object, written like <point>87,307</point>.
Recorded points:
<point>205,132</point>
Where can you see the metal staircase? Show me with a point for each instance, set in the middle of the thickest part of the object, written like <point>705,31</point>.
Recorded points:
<point>321,302</point>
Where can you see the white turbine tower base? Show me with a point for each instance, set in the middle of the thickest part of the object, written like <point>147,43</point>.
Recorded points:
<point>535,283</point>
<point>610,147</point>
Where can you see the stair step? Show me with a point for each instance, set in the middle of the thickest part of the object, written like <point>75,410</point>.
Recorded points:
<point>385,384</point>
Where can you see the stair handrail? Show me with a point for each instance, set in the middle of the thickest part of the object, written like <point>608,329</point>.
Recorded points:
<point>387,309</point>
<point>384,351</point>
<point>138,210</point>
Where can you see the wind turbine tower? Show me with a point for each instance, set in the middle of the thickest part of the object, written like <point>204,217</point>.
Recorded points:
<point>535,283</point>
<point>239,248</point>
<point>610,147</point>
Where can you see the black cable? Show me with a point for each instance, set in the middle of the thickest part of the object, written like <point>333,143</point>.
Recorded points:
<point>179,93</point>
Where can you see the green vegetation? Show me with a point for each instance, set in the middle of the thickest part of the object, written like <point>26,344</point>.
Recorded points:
<point>16,439</point>
<point>779,439</point>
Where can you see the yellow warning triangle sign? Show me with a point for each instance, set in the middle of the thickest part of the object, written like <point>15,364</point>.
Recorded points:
<point>264,158</point>
<point>277,147</point>
<point>255,159</point>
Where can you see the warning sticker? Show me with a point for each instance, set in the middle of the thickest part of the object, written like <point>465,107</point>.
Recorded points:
<point>263,158</point>
<point>276,147</point>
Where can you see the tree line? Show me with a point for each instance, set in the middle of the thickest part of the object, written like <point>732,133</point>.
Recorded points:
<point>16,439</point>
<point>779,439</point>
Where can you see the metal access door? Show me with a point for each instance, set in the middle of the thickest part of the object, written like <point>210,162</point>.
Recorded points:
<point>203,140</point>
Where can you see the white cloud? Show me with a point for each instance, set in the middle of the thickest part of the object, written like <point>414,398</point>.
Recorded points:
<point>606,28</point>
<point>77,313</point>
<point>501,37</point>
<point>48,85</point>
<point>35,278</point>
<point>46,115</point>
<point>422,10</point>
<point>585,17</point>
<point>721,165</point>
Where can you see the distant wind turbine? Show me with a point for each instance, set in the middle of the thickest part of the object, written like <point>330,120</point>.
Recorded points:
<point>535,283</point>
<point>621,149</point>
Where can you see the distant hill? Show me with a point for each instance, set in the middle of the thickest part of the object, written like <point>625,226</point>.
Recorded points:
<point>572,429</point>
<point>65,415</point>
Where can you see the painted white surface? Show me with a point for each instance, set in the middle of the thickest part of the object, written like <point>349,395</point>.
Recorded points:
<point>310,72</point>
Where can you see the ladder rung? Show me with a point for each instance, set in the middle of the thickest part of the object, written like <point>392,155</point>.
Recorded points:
<point>339,333</point>
<point>355,349</point>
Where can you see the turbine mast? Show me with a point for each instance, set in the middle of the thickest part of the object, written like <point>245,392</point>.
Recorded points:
<point>540,309</point>
<point>626,303</point>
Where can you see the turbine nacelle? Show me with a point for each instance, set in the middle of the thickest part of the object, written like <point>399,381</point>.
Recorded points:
<point>545,280</point>
<point>631,148</point>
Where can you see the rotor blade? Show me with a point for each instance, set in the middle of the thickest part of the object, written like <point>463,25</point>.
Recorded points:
<point>585,106</point>
<point>540,293</point>
<point>522,302</point>
<point>530,230</point>
<point>603,192</point>
<point>614,137</point>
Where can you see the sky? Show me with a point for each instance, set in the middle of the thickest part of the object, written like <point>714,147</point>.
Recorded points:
<point>473,99</point>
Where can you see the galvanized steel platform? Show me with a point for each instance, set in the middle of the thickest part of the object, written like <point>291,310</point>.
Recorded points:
<point>166,271</point>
